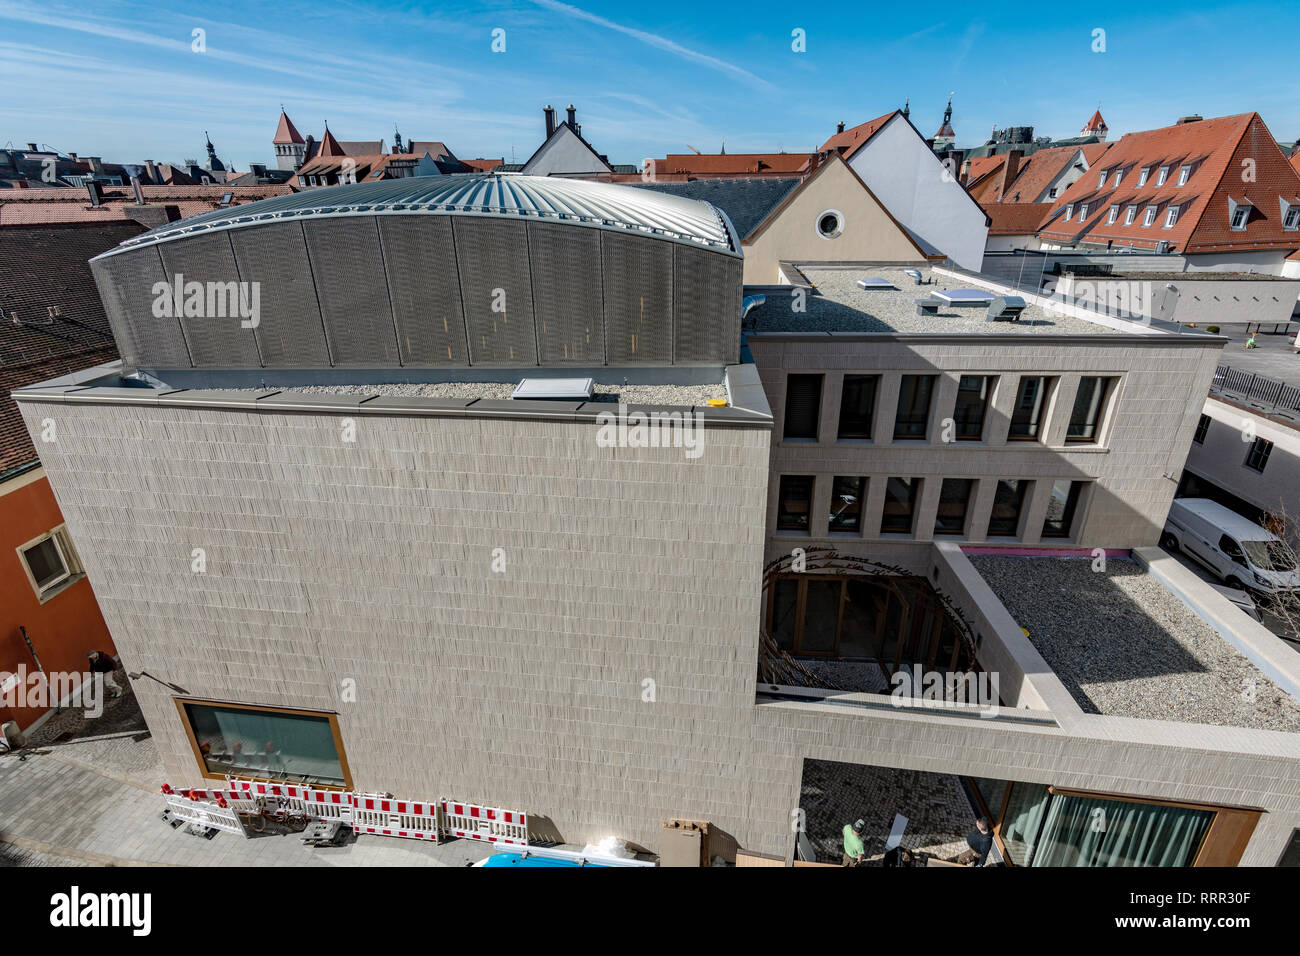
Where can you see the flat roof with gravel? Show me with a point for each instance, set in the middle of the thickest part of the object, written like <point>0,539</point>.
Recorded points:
<point>1124,645</point>
<point>674,395</point>
<point>837,304</point>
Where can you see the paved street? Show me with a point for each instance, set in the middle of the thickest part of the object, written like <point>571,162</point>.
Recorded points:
<point>1270,621</point>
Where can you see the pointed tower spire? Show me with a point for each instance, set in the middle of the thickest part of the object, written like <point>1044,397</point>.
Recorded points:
<point>907,108</point>
<point>397,140</point>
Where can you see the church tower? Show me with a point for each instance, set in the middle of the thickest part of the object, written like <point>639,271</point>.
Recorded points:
<point>290,147</point>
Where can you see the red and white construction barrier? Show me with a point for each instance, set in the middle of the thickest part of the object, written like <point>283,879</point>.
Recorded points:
<point>373,813</point>
<point>469,821</point>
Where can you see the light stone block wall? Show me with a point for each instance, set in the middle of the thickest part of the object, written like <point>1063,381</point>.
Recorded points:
<point>1133,469</point>
<point>329,561</point>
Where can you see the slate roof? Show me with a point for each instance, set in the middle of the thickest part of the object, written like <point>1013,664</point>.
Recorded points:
<point>747,202</point>
<point>45,268</point>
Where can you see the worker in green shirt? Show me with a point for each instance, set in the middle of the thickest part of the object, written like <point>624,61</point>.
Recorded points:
<point>854,851</point>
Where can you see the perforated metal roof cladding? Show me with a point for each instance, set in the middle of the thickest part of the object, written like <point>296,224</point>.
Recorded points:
<point>601,205</point>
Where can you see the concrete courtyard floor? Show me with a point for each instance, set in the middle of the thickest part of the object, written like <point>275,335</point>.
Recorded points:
<point>87,794</point>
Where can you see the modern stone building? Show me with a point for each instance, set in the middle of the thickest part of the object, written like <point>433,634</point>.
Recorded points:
<point>344,553</point>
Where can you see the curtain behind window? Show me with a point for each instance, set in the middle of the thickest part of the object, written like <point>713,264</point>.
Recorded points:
<point>1084,831</point>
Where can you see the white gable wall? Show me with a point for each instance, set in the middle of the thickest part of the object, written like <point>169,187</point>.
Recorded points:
<point>903,172</point>
<point>563,154</point>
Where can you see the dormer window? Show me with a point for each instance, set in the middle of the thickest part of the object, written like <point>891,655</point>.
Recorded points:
<point>1142,176</point>
<point>1171,217</point>
<point>1183,173</point>
<point>1150,216</point>
<point>1164,174</point>
<point>1119,174</point>
<point>1102,182</point>
<point>1069,211</point>
<point>1130,214</point>
<point>1290,213</point>
<point>1240,216</point>
<point>1114,214</point>
<point>1083,212</point>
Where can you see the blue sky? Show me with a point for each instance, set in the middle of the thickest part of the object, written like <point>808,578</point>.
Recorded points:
<point>124,82</point>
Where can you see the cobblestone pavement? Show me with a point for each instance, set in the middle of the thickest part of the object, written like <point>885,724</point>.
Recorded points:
<point>87,795</point>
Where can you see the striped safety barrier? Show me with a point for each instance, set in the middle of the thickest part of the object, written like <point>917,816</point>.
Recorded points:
<point>469,821</point>
<point>205,813</point>
<point>387,816</point>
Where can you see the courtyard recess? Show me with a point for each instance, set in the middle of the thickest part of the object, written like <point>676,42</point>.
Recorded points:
<point>231,808</point>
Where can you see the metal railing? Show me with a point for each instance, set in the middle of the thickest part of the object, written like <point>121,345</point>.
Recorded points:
<point>1258,391</point>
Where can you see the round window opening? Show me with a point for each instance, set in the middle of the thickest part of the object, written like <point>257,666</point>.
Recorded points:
<point>830,224</point>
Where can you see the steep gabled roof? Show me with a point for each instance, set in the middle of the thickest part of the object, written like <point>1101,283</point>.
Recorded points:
<point>329,146</point>
<point>1038,170</point>
<point>286,132</point>
<point>1096,123</point>
<point>1219,152</point>
<point>564,129</point>
<point>851,140</point>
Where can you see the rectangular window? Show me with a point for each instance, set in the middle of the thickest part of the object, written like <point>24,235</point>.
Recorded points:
<point>1060,509</point>
<point>298,746</point>
<point>954,500</point>
<point>1007,503</point>
<point>972,406</point>
<point>1069,210</point>
<point>1240,216</point>
<point>803,405</point>
<point>1114,214</point>
<point>857,406</point>
<point>1164,174</point>
<point>912,420</point>
<point>901,495</point>
<point>794,502</point>
<point>1089,403</point>
<point>1101,183</point>
<point>1257,457</point>
<point>1171,217</point>
<point>1150,216</point>
<point>846,503</point>
<point>1291,221</point>
<point>50,561</point>
<point>1119,174</point>
<point>1202,426</point>
<point>1130,214</point>
<point>1183,173</point>
<point>1083,212</point>
<point>1142,176</point>
<point>1030,409</point>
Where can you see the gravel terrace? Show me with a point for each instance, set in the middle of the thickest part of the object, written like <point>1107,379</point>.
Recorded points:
<point>683,396</point>
<point>1125,646</point>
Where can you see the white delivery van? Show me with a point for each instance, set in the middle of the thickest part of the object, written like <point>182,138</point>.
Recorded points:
<point>1240,552</point>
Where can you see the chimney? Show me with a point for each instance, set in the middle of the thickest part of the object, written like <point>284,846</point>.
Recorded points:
<point>1010,168</point>
<point>1194,118</point>
<point>72,156</point>
<point>153,172</point>
<point>96,164</point>
<point>135,187</point>
<point>839,127</point>
<point>573,117</point>
<point>96,192</point>
<point>550,120</point>
<point>31,148</point>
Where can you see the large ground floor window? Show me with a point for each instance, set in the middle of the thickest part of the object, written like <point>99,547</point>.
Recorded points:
<point>1038,825</point>
<point>266,742</point>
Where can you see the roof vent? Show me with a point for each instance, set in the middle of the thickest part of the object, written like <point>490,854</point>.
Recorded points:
<point>555,389</point>
<point>1006,308</point>
<point>914,275</point>
<point>876,284</point>
<point>1194,118</point>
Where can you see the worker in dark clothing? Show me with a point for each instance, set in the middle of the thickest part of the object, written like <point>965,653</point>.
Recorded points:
<point>103,663</point>
<point>980,841</point>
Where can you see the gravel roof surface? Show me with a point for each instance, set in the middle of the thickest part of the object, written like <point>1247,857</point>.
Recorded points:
<point>1124,645</point>
<point>838,305</point>
<point>680,395</point>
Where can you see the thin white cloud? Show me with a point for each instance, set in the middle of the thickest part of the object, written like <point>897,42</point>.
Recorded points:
<point>659,42</point>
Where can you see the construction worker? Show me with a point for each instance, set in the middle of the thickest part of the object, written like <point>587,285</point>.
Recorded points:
<point>854,850</point>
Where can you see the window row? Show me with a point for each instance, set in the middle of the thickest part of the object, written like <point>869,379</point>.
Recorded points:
<point>1184,174</point>
<point>902,497</point>
<point>858,395</point>
<point>1256,455</point>
<point>1130,215</point>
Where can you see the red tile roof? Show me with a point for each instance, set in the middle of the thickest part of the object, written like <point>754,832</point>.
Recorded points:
<point>1295,159</point>
<point>851,140</point>
<point>1015,219</point>
<point>1038,170</point>
<point>72,205</point>
<point>329,146</point>
<point>286,132</point>
<point>483,165</point>
<point>1220,152</point>
<point>731,164</point>
<point>1096,123</point>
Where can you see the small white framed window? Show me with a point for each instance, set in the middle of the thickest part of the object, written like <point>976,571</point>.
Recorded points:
<point>1069,210</point>
<point>49,560</point>
<point>1102,183</point>
<point>1240,217</point>
<point>1150,216</point>
<point>1142,176</point>
<point>1164,174</point>
<point>1119,174</point>
<point>1130,214</point>
<point>830,223</point>
<point>1083,212</point>
<point>1114,214</point>
<point>1291,221</point>
<point>1183,173</point>
<point>1171,217</point>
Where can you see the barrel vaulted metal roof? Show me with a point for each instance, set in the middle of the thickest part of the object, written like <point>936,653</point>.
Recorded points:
<point>581,202</point>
